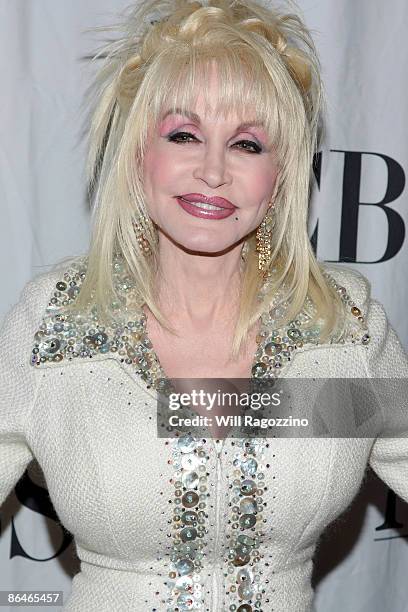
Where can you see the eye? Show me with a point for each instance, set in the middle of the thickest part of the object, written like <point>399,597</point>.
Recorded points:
<point>249,143</point>
<point>183,137</point>
<point>180,137</point>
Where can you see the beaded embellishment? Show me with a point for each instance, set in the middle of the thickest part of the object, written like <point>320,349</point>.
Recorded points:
<point>189,524</point>
<point>70,335</point>
<point>67,335</point>
<point>276,346</point>
<point>245,528</point>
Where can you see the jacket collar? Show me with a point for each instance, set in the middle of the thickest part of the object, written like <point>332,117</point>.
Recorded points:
<point>63,338</point>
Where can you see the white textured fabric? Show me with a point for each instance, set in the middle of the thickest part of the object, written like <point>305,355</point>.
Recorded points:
<point>91,426</point>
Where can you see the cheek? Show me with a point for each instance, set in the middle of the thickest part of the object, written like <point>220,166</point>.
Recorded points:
<point>159,168</point>
<point>261,184</point>
<point>269,177</point>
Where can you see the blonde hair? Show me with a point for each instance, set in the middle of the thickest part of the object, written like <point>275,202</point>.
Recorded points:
<point>266,60</point>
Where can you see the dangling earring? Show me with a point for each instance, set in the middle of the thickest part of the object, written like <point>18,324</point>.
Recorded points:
<point>264,242</point>
<point>141,238</point>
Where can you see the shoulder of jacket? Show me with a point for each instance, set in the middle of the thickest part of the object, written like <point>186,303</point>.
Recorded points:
<point>356,284</point>
<point>38,292</point>
<point>26,315</point>
<point>37,303</point>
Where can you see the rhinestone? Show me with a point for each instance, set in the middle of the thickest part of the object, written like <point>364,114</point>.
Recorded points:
<point>245,591</point>
<point>245,608</point>
<point>188,534</point>
<point>184,583</point>
<point>242,550</point>
<point>50,346</point>
<point>243,575</point>
<point>189,499</point>
<point>272,348</point>
<point>185,601</point>
<point>240,560</point>
<point>189,517</point>
<point>249,467</point>
<point>259,369</point>
<point>247,521</point>
<point>184,566</point>
<point>186,444</point>
<point>100,339</point>
<point>294,334</point>
<point>189,549</point>
<point>248,487</point>
<point>190,480</point>
<point>246,540</point>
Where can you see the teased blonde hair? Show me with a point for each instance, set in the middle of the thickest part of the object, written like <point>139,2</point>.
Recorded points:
<point>266,60</point>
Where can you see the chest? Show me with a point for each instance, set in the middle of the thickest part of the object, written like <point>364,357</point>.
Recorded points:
<point>202,355</point>
<point>95,436</point>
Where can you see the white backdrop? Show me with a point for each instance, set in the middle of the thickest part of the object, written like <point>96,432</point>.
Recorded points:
<point>358,215</point>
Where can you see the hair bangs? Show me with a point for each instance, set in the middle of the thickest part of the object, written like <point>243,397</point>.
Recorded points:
<point>243,87</point>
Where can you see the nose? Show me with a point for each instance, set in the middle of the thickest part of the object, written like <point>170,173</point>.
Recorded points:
<point>212,168</point>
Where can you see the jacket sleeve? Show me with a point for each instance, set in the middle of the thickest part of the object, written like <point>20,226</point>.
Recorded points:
<point>17,385</point>
<point>386,358</point>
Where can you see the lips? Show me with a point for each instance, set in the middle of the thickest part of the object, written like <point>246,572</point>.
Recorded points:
<point>206,209</point>
<point>214,200</point>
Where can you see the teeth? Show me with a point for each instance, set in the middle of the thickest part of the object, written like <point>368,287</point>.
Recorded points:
<point>204,205</point>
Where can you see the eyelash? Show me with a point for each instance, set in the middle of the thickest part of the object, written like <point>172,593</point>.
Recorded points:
<point>173,138</point>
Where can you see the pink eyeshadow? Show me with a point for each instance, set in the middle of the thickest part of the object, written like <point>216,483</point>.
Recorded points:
<point>171,122</point>
<point>259,133</point>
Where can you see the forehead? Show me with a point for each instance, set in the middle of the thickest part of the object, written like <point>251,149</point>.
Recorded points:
<point>207,91</point>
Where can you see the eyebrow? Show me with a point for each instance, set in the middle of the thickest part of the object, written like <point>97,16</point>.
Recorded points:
<point>196,118</point>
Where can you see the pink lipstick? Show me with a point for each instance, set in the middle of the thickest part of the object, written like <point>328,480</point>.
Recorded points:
<point>199,205</point>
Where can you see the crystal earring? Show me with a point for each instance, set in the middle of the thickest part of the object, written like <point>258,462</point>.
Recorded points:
<point>264,242</point>
<point>141,237</point>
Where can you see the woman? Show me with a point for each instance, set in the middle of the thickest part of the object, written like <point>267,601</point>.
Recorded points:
<point>200,267</point>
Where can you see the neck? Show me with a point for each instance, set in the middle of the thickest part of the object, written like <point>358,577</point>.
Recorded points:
<point>198,289</point>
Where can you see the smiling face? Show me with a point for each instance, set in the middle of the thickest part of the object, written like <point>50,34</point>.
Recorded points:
<point>201,156</point>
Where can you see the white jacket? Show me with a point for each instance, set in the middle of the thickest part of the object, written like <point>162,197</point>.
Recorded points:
<point>161,525</point>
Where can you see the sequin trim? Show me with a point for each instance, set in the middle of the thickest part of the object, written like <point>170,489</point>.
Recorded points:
<point>66,336</point>
<point>245,530</point>
<point>189,525</point>
<point>276,346</point>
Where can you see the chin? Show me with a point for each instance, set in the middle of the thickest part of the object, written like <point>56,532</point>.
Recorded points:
<point>205,249</point>
<point>203,246</point>
<point>200,240</point>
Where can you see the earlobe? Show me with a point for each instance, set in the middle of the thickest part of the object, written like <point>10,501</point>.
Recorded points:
<point>271,204</point>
